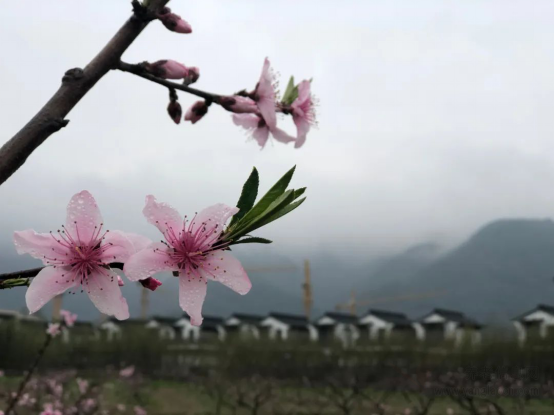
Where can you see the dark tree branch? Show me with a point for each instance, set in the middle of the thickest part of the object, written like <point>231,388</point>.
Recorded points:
<point>139,71</point>
<point>75,85</point>
<point>33,272</point>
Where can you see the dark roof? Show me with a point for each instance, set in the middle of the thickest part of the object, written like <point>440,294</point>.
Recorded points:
<point>292,320</point>
<point>130,321</point>
<point>345,318</point>
<point>248,319</point>
<point>83,324</point>
<point>539,307</point>
<point>211,321</point>
<point>392,317</point>
<point>454,316</point>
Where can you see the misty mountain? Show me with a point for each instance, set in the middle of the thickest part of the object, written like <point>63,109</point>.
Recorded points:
<point>504,269</point>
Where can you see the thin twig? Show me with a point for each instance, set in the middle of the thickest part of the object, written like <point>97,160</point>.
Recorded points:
<point>15,399</point>
<point>75,85</point>
<point>139,71</point>
<point>33,272</point>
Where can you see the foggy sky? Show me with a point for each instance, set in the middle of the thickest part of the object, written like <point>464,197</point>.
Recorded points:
<point>434,117</point>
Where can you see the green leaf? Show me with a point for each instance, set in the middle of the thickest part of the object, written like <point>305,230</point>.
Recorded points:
<point>275,192</point>
<point>289,91</point>
<point>254,240</point>
<point>298,192</point>
<point>282,212</point>
<point>244,228</point>
<point>247,197</point>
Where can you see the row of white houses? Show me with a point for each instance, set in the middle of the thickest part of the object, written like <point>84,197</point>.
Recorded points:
<point>376,325</point>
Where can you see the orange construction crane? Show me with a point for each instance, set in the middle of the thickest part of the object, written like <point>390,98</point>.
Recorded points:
<point>351,305</point>
<point>307,286</point>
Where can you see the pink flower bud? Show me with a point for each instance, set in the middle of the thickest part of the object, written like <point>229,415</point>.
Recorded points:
<point>68,317</point>
<point>238,104</point>
<point>120,281</point>
<point>193,75</point>
<point>175,112</point>
<point>198,110</point>
<point>175,23</point>
<point>167,69</point>
<point>150,283</point>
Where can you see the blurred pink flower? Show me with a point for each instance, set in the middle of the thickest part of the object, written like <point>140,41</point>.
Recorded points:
<point>53,330</point>
<point>79,255</point>
<point>198,110</point>
<point>150,283</point>
<point>140,411</point>
<point>2,374</point>
<point>68,317</point>
<point>191,249</point>
<point>174,22</point>
<point>303,112</point>
<point>82,385</point>
<point>259,130</point>
<point>265,94</point>
<point>127,372</point>
<point>449,411</point>
<point>49,410</point>
<point>121,407</point>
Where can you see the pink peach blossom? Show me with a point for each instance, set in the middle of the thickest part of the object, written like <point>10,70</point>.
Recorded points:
<point>259,130</point>
<point>49,410</point>
<point>150,283</point>
<point>191,248</point>
<point>265,94</point>
<point>303,112</point>
<point>82,385</point>
<point>78,255</point>
<point>68,317</point>
<point>53,330</point>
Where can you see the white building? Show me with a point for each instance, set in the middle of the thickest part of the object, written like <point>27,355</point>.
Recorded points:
<point>447,325</point>
<point>164,326</point>
<point>244,326</point>
<point>112,328</point>
<point>341,327</point>
<point>285,327</point>
<point>538,323</point>
<point>381,325</point>
<point>212,328</point>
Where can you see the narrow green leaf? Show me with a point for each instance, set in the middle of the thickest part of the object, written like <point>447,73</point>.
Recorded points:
<point>247,197</point>
<point>287,96</point>
<point>254,240</point>
<point>275,192</point>
<point>282,212</point>
<point>244,228</point>
<point>298,192</point>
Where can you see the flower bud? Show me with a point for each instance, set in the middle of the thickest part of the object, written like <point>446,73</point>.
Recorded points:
<point>192,76</point>
<point>174,110</point>
<point>120,281</point>
<point>238,104</point>
<point>173,21</point>
<point>198,110</point>
<point>150,283</point>
<point>167,69</point>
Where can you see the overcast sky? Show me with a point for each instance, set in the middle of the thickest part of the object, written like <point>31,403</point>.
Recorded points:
<point>435,117</point>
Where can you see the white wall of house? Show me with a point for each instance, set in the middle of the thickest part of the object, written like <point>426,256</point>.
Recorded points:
<point>376,326</point>
<point>278,330</point>
<point>545,319</point>
<point>113,331</point>
<point>245,330</point>
<point>453,330</point>
<point>188,331</point>
<point>164,331</point>
<point>346,334</point>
